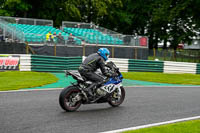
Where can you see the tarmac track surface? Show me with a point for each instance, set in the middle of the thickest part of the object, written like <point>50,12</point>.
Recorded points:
<point>39,111</point>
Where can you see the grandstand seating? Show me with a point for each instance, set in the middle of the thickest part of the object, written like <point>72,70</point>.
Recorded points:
<point>93,36</point>
<point>37,33</point>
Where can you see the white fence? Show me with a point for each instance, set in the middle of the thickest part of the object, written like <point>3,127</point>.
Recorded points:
<point>25,63</point>
<point>123,65</point>
<point>179,67</point>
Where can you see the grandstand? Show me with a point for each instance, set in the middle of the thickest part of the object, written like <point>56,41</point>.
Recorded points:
<point>30,31</point>
<point>92,34</point>
<point>37,33</point>
<point>34,31</point>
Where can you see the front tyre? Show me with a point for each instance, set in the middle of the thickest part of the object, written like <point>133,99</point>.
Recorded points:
<point>70,99</point>
<point>117,97</point>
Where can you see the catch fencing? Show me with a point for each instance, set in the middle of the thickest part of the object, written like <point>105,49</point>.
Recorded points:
<point>9,33</point>
<point>28,21</point>
<point>180,55</point>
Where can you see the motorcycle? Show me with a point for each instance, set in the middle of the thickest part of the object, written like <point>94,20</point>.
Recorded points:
<point>111,91</point>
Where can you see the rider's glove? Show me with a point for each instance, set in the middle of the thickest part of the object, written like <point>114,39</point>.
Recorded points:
<point>114,75</point>
<point>109,74</point>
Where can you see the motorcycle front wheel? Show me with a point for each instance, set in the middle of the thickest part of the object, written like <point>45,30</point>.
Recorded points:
<point>117,97</point>
<point>69,99</point>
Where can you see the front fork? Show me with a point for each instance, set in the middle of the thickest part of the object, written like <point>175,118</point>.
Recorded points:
<point>117,93</point>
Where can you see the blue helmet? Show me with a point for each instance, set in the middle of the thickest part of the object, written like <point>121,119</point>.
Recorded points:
<point>104,52</point>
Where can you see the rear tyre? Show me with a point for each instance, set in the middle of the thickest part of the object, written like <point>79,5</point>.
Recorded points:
<point>67,99</point>
<point>115,100</point>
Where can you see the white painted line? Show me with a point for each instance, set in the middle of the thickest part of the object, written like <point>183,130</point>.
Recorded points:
<point>26,90</point>
<point>163,86</point>
<point>49,89</point>
<point>152,125</point>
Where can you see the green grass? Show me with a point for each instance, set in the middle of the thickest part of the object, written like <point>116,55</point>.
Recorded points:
<point>14,80</point>
<point>4,55</point>
<point>182,127</point>
<point>184,79</point>
<point>178,59</point>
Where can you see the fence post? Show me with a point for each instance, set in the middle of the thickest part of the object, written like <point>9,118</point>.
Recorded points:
<point>4,33</point>
<point>27,48</point>
<point>135,53</point>
<point>154,53</point>
<point>174,55</point>
<point>84,50</point>
<point>55,49</point>
<point>113,52</point>
<point>165,53</point>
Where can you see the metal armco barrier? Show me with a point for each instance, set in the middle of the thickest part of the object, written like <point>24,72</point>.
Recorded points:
<point>145,66</point>
<point>54,64</point>
<point>122,64</point>
<point>41,63</point>
<point>59,64</point>
<point>25,62</point>
<point>179,67</point>
<point>198,69</point>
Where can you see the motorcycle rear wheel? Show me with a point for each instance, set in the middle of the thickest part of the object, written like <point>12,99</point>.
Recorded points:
<point>115,102</point>
<point>66,99</point>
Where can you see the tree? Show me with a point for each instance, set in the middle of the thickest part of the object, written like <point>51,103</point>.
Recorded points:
<point>165,21</point>
<point>3,10</point>
<point>14,8</point>
<point>174,21</point>
<point>133,16</point>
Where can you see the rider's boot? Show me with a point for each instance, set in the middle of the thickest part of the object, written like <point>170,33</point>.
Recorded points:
<point>90,89</point>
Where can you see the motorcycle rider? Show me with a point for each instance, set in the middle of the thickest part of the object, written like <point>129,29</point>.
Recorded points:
<point>91,64</point>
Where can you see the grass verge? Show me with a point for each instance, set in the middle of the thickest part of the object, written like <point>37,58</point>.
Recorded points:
<point>14,80</point>
<point>184,79</point>
<point>182,127</point>
<point>178,59</point>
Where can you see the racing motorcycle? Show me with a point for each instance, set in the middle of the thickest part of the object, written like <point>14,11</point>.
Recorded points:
<point>111,91</point>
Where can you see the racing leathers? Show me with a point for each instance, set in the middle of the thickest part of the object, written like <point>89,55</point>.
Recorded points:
<point>89,66</point>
